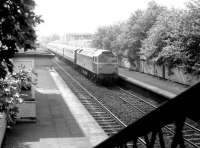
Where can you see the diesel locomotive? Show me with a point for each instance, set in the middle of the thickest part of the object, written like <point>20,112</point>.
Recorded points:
<point>97,64</point>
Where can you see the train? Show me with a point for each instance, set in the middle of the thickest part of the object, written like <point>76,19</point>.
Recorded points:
<point>97,64</point>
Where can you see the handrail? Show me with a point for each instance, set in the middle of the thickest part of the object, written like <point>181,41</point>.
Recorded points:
<point>173,111</point>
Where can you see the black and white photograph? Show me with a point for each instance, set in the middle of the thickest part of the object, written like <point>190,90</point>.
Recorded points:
<point>99,73</point>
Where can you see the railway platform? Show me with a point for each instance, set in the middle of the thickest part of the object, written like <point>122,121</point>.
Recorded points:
<point>163,87</point>
<point>62,121</point>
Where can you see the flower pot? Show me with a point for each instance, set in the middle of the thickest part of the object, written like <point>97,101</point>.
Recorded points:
<point>27,109</point>
<point>3,124</point>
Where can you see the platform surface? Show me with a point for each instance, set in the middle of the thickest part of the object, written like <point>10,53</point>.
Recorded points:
<point>166,88</point>
<point>62,121</point>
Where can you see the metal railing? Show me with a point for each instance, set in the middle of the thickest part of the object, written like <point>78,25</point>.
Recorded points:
<point>150,127</point>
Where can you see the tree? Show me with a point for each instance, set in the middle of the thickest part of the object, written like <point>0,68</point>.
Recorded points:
<point>127,37</point>
<point>132,40</point>
<point>139,26</point>
<point>17,22</point>
<point>164,31</point>
<point>98,37</point>
<point>191,36</point>
<point>183,38</point>
<point>106,36</point>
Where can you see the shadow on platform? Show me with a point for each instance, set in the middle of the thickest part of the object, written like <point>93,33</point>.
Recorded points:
<point>54,122</point>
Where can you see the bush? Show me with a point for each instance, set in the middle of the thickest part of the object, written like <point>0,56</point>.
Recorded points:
<point>9,97</point>
<point>25,78</point>
<point>10,92</point>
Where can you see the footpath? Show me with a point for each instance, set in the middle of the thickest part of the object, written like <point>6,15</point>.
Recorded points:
<point>166,88</point>
<point>62,121</point>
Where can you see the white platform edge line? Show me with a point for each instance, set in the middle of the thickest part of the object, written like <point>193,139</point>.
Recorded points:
<point>86,122</point>
<point>153,88</point>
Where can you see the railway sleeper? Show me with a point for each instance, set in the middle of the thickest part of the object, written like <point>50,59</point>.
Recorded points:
<point>108,124</point>
<point>95,111</point>
<point>195,140</point>
<point>191,136</point>
<point>188,132</point>
<point>98,109</point>
<point>104,118</point>
<point>110,131</point>
<point>108,121</point>
<point>112,128</point>
<point>100,112</point>
<point>105,121</point>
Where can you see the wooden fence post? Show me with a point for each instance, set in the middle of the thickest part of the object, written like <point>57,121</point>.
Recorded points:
<point>163,71</point>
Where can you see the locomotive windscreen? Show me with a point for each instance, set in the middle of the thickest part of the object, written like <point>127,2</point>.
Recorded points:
<point>107,58</point>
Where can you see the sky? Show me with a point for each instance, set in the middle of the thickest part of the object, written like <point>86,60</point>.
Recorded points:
<point>85,16</point>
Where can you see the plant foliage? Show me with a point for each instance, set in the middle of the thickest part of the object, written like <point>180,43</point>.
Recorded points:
<point>164,36</point>
<point>11,92</point>
<point>9,97</point>
<point>17,22</point>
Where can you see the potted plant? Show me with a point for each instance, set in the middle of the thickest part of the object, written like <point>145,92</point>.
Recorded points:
<point>12,105</point>
<point>25,78</point>
<point>27,109</point>
<point>9,97</point>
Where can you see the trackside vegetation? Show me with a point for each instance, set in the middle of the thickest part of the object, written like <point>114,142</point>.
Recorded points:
<point>165,36</point>
<point>17,30</point>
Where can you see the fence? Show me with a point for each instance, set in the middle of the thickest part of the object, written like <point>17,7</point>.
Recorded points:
<point>175,74</point>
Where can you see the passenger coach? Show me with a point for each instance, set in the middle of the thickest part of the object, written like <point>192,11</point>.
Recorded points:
<point>97,64</point>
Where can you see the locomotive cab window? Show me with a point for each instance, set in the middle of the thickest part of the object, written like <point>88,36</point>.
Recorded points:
<point>107,58</point>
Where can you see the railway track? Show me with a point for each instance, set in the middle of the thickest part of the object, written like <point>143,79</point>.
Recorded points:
<point>109,122</point>
<point>112,123</point>
<point>191,134</point>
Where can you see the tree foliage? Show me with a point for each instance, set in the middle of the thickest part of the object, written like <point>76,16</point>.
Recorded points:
<point>138,31</point>
<point>128,37</point>
<point>106,35</point>
<point>191,36</point>
<point>164,36</point>
<point>182,48</point>
<point>17,22</point>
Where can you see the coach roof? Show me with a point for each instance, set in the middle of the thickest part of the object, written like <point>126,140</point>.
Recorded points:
<point>91,51</point>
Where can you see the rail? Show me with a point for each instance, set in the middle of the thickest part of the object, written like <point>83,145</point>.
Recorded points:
<point>149,127</point>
